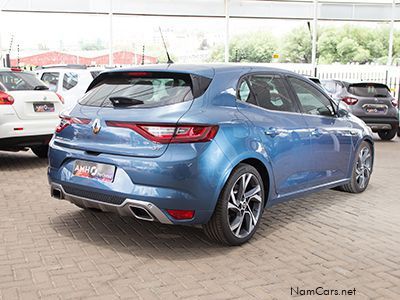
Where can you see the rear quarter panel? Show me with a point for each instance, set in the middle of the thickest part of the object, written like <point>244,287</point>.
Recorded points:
<point>235,137</point>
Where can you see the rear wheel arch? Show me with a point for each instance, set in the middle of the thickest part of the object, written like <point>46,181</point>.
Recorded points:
<point>260,166</point>
<point>262,169</point>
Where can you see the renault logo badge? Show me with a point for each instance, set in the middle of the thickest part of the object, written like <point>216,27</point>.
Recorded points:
<point>96,126</point>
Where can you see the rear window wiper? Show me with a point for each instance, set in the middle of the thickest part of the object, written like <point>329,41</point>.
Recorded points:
<point>380,95</point>
<point>40,88</point>
<point>125,101</point>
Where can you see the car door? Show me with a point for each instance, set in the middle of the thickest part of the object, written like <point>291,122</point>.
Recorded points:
<point>331,136</point>
<point>264,99</point>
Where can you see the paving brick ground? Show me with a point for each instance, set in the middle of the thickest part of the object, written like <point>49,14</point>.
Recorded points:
<point>51,249</point>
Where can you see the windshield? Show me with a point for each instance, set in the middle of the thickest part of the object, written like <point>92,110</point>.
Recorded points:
<point>369,90</point>
<point>18,81</point>
<point>134,89</point>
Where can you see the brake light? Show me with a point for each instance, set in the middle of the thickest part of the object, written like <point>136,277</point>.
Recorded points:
<point>350,100</point>
<point>66,121</point>
<point>394,102</point>
<point>179,214</point>
<point>16,70</point>
<point>165,134</point>
<point>60,98</point>
<point>6,99</point>
<point>138,74</point>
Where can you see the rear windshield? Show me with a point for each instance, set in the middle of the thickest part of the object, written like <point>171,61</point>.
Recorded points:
<point>369,90</point>
<point>18,81</point>
<point>142,88</point>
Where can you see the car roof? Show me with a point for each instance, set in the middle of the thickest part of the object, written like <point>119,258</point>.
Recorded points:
<point>206,70</point>
<point>61,69</point>
<point>16,70</point>
<point>351,82</point>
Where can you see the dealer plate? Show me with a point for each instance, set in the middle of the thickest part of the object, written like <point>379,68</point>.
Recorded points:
<point>93,170</point>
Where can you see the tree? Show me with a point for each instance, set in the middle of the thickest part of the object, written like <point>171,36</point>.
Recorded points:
<point>349,44</point>
<point>297,46</point>
<point>253,47</point>
<point>98,44</point>
<point>43,46</point>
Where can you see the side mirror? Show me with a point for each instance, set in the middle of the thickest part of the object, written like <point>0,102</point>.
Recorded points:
<point>342,113</point>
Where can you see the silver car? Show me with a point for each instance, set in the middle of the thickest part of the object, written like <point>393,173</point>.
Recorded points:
<point>370,101</point>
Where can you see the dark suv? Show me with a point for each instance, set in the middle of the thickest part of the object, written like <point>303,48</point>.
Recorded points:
<point>370,101</point>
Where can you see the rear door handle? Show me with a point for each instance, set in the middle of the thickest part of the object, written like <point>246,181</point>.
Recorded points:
<point>316,132</point>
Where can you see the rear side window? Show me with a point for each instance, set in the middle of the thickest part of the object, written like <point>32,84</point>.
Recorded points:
<point>369,90</point>
<point>139,89</point>
<point>245,94</point>
<point>51,79</point>
<point>18,81</point>
<point>271,93</point>
<point>70,80</point>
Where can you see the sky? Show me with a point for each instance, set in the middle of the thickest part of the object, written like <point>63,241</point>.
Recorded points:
<point>66,31</point>
<point>50,29</point>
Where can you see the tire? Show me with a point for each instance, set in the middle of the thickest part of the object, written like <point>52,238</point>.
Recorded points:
<point>387,135</point>
<point>398,131</point>
<point>41,151</point>
<point>235,221</point>
<point>362,168</point>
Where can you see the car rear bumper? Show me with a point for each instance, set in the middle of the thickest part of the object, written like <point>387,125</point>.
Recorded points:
<point>142,210</point>
<point>20,142</point>
<point>376,123</point>
<point>188,178</point>
<point>13,127</point>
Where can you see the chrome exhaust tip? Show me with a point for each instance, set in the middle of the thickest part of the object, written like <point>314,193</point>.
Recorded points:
<point>141,213</point>
<point>56,193</point>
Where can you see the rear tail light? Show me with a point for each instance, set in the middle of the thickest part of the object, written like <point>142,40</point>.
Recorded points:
<point>6,99</point>
<point>66,121</point>
<point>165,134</point>
<point>394,102</point>
<point>60,97</point>
<point>179,214</point>
<point>350,100</point>
<point>16,70</point>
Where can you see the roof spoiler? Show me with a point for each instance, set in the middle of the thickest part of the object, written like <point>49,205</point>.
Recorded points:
<point>68,66</point>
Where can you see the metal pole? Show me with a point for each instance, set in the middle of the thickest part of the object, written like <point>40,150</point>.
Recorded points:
<point>226,55</point>
<point>314,39</point>
<point>390,54</point>
<point>110,45</point>
<point>2,3</point>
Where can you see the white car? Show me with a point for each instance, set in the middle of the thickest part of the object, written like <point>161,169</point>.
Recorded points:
<point>28,112</point>
<point>69,81</point>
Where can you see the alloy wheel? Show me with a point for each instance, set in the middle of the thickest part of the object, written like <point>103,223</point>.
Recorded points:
<point>244,205</point>
<point>363,167</point>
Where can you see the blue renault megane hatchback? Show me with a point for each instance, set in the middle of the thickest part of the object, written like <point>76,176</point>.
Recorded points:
<point>205,144</point>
